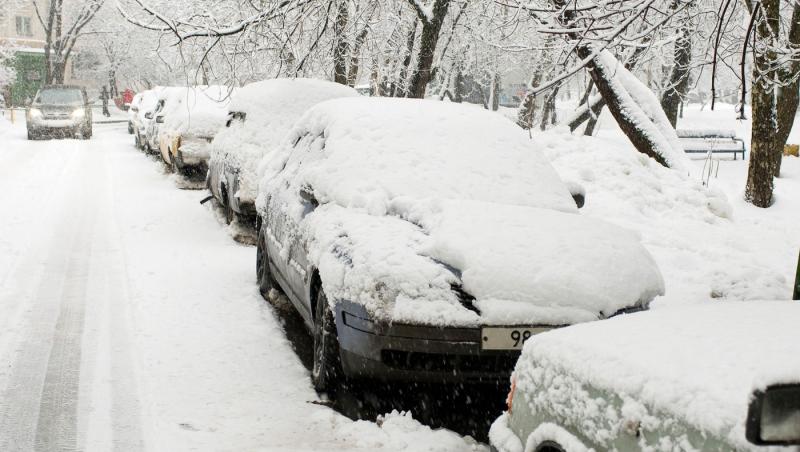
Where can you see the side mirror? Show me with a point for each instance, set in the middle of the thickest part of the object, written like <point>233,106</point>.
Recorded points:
<point>307,195</point>
<point>135,109</point>
<point>148,115</point>
<point>774,416</point>
<point>578,193</point>
<point>160,119</point>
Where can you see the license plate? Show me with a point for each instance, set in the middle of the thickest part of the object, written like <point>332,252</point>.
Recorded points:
<point>508,338</point>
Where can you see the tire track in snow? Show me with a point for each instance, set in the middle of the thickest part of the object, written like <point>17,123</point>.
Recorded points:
<point>39,279</point>
<point>62,378</point>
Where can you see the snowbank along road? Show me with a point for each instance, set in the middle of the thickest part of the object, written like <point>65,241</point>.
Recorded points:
<point>129,319</point>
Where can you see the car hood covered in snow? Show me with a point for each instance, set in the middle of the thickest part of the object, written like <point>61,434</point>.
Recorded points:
<point>418,198</point>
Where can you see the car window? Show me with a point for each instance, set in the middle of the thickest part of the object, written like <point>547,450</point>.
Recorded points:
<point>60,96</point>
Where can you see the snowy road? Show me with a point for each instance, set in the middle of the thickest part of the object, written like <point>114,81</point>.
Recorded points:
<point>129,319</point>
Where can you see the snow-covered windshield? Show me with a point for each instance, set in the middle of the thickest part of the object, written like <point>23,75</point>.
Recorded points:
<point>59,96</point>
<point>376,151</point>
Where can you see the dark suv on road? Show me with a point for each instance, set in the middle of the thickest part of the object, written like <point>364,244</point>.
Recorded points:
<point>60,110</point>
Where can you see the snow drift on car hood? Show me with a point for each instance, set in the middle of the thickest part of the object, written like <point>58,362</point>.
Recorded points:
<point>531,265</point>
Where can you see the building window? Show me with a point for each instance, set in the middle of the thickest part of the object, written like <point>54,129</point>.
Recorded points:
<point>24,26</point>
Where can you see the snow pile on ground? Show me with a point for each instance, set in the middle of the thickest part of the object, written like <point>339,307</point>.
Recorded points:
<point>270,107</point>
<point>703,246</point>
<point>695,365</point>
<point>196,111</point>
<point>469,202</point>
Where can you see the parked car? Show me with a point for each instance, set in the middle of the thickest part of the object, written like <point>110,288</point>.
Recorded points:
<point>148,102</point>
<point>427,241</point>
<point>59,110</point>
<point>259,116</point>
<point>189,119</point>
<point>714,377</point>
<point>133,109</point>
<point>154,118</point>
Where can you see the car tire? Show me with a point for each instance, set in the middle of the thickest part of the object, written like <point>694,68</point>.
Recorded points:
<point>130,129</point>
<point>32,135</point>
<point>549,446</point>
<point>86,134</point>
<point>137,141</point>
<point>172,165</point>
<point>264,276</point>
<point>326,372</point>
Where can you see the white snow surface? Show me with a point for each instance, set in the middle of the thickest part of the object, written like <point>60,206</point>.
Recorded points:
<point>472,192</point>
<point>198,111</point>
<point>697,363</point>
<point>272,107</point>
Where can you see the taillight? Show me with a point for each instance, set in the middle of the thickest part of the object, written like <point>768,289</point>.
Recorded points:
<point>510,396</point>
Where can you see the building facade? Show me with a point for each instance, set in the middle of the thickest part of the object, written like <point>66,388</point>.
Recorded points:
<point>22,34</point>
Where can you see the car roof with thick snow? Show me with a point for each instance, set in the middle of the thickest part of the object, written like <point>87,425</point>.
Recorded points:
<point>699,363</point>
<point>271,108</point>
<point>381,149</point>
<point>197,110</point>
<point>473,194</point>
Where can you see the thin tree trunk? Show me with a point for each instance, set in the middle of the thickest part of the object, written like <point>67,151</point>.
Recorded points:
<point>341,47</point>
<point>678,83</point>
<point>431,26</point>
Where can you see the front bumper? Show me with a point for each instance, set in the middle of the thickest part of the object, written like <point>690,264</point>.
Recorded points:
<point>51,124</point>
<point>418,353</point>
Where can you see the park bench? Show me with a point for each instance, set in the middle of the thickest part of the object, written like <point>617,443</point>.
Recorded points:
<point>716,141</point>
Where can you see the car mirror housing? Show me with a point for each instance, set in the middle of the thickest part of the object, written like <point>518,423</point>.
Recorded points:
<point>160,119</point>
<point>148,115</point>
<point>578,193</point>
<point>773,418</point>
<point>307,195</point>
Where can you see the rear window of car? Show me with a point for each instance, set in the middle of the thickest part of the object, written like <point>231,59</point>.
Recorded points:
<point>58,96</point>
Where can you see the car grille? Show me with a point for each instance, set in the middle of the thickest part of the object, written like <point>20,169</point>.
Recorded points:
<point>501,364</point>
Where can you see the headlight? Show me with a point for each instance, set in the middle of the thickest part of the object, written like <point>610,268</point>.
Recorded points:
<point>78,114</point>
<point>35,112</point>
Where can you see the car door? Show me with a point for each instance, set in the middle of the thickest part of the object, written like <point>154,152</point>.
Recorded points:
<point>299,267</point>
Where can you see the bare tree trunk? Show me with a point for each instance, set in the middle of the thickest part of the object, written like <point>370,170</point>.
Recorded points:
<point>431,26</point>
<point>549,109</point>
<point>403,78</point>
<point>678,83</point>
<point>494,92</point>
<point>528,107</point>
<point>341,46</point>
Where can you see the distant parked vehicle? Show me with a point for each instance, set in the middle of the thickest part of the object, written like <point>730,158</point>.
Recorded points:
<point>133,109</point>
<point>428,241</point>
<point>722,376</point>
<point>146,104</point>
<point>59,110</point>
<point>259,116</point>
<point>189,119</point>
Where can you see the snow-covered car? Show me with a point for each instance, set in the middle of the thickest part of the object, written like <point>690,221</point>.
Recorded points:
<point>189,119</point>
<point>143,117</point>
<point>425,240</point>
<point>133,109</point>
<point>62,110</point>
<point>711,377</point>
<point>260,115</point>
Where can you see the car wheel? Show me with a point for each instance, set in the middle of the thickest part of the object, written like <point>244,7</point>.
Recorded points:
<point>327,369</point>
<point>265,281</point>
<point>136,141</point>
<point>130,128</point>
<point>549,446</point>
<point>31,135</point>
<point>172,165</point>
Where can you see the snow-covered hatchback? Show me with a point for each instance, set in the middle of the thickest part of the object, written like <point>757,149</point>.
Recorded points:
<point>425,240</point>
<point>714,377</point>
<point>259,116</point>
